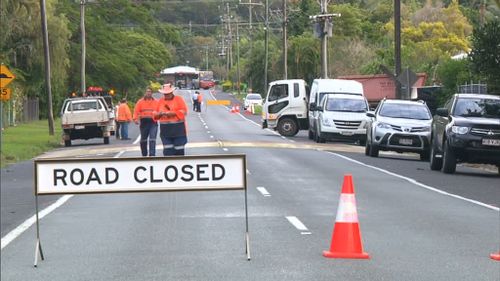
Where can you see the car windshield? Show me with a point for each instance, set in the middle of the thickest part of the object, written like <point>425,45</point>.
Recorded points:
<point>254,97</point>
<point>350,105</point>
<point>408,111</point>
<point>84,105</point>
<point>472,107</point>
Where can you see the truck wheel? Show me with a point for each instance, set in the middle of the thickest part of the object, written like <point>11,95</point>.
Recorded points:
<point>373,150</point>
<point>67,143</point>
<point>106,140</point>
<point>288,127</point>
<point>449,159</point>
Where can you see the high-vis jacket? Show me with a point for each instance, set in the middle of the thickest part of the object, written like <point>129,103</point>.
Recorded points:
<point>145,108</point>
<point>176,105</point>
<point>123,113</point>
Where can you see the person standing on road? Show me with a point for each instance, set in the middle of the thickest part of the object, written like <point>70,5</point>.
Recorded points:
<point>200,101</point>
<point>144,116</point>
<point>117,129</point>
<point>171,113</point>
<point>124,116</point>
<point>195,100</point>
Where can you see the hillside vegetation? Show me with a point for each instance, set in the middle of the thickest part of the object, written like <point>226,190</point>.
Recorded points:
<point>130,41</point>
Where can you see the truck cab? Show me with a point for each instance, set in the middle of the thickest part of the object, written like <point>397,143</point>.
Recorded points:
<point>285,107</point>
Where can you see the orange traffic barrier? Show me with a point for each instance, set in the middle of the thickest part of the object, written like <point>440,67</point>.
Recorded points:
<point>495,256</point>
<point>346,237</point>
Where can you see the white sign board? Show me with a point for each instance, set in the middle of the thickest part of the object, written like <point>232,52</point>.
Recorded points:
<point>140,174</point>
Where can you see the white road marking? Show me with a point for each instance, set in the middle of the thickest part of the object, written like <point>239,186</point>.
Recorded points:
<point>298,224</point>
<point>225,149</point>
<point>263,190</point>
<point>418,183</point>
<point>9,237</point>
<point>137,140</point>
<point>29,222</point>
<point>211,137</point>
<point>208,132</point>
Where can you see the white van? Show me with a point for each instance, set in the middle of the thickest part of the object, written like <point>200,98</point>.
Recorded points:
<point>322,87</point>
<point>342,116</point>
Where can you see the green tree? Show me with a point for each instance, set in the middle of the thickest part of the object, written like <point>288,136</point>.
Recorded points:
<point>485,54</point>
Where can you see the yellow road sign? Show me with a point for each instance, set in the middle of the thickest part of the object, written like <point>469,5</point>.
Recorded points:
<point>5,76</point>
<point>5,94</point>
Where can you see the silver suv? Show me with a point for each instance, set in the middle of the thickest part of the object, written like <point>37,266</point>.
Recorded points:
<point>401,126</point>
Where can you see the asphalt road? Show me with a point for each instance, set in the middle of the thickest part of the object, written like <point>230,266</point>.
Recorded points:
<point>416,224</point>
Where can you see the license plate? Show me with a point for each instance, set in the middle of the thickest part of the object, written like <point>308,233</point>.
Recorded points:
<point>491,142</point>
<point>79,127</point>
<point>346,133</point>
<point>406,141</point>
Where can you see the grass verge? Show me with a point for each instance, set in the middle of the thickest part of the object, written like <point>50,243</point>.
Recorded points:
<point>28,140</point>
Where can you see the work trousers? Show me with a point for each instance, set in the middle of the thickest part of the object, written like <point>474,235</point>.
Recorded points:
<point>123,130</point>
<point>149,129</point>
<point>174,138</point>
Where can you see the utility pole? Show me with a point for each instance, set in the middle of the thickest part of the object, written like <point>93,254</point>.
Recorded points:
<point>285,43</point>
<point>266,47</point>
<point>397,44</point>
<point>250,4</point>
<point>324,43</point>
<point>206,56</point>
<point>47,66</point>
<point>238,57</point>
<point>323,30</point>
<point>82,27</point>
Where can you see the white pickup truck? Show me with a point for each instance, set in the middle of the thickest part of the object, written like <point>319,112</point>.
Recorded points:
<point>86,118</point>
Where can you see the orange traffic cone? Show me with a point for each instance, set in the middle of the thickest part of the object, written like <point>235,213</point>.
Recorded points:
<point>237,109</point>
<point>346,237</point>
<point>248,110</point>
<point>233,109</point>
<point>495,256</point>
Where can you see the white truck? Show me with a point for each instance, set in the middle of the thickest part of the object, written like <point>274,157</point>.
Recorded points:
<point>290,107</point>
<point>86,118</point>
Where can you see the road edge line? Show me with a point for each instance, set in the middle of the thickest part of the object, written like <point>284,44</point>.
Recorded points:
<point>415,182</point>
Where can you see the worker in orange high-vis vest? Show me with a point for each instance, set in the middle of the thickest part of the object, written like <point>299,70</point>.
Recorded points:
<point>144,116</point>
<point>123,117</point>
<point>200,101</point>
<point>171,113</point>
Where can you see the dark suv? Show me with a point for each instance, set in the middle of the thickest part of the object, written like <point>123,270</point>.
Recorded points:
<point>467,129</point>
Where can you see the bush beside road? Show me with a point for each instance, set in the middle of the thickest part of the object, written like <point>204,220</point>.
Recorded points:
<point>27,140</point>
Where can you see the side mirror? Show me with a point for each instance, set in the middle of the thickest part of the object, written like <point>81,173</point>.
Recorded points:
<point>370,114</point>
<point>442,111</point>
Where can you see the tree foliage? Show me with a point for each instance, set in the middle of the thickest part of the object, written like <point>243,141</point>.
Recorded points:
<point>485,54</point>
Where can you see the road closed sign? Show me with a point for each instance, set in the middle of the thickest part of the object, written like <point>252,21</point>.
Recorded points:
<point>140,174</point>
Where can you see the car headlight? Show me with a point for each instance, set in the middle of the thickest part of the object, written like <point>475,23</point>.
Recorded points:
<point>459,130</point>
<point>326,122</point>
<point>384,126</point>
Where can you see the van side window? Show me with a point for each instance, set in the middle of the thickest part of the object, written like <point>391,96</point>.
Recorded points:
<point>296,89</point>
<point>278,92</point>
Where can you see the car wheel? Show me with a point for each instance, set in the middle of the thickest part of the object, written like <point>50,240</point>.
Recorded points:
<point>424,155</point>
<point>435,163</point>
<point>449,159</point>
<point>287,127</point>
<point>373,150</point>
<point>67,143</point>
<point>106,140</point>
